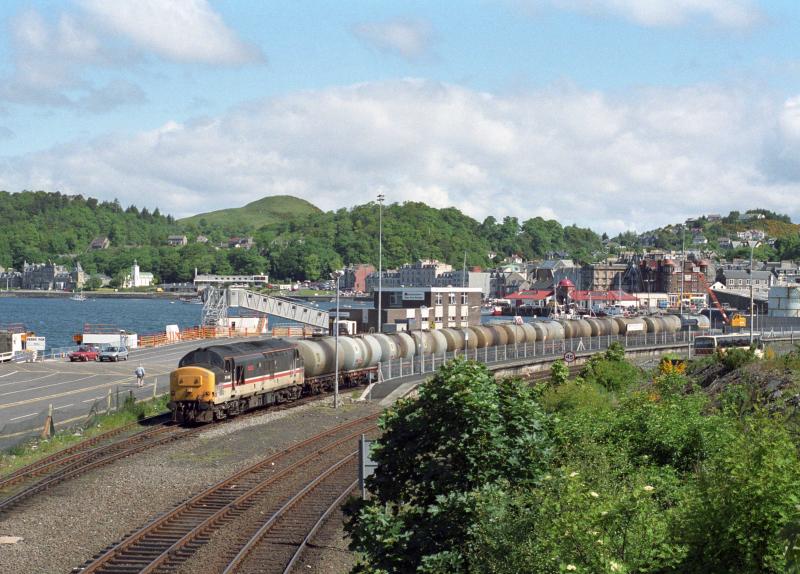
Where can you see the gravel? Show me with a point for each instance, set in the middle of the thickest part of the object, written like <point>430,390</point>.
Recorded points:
<point>67,525</point>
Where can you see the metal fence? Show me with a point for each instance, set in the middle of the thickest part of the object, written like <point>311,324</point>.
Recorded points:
<point>556,348</point>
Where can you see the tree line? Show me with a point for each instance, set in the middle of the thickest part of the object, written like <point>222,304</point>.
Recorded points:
<point>40,226</point>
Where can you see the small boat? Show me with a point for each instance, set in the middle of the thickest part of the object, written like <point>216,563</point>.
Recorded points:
<point>78,297</point>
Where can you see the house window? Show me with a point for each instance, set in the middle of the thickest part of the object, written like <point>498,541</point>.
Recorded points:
<point>394,299</point>
<point>463,298</point>
<point>438,298</point>
<point>451,299</point>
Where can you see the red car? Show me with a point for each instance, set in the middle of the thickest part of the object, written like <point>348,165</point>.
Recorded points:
<point>84,354</point>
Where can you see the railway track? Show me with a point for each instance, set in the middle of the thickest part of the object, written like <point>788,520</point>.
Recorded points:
<point>167,542</point>
<point>278,544</point>
<point>72,465</point>
<point>90,454</point>
<point>67,455</point>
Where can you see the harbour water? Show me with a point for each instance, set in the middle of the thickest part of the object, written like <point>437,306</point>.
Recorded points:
<point>58,319</point>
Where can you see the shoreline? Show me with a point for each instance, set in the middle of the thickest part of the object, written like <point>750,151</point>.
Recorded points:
<point>31,294</point>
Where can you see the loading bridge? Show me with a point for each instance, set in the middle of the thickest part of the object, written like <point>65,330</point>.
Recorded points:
<point>218,301</point>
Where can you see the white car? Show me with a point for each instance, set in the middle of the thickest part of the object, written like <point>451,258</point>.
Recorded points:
<point>114,354</point>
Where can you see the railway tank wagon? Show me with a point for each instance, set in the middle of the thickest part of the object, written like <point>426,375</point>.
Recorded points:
<point>223,380</point>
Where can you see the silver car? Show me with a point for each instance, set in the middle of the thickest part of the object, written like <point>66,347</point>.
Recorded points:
<point>114,354</point>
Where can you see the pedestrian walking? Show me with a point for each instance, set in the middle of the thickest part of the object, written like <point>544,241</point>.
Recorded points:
<point>139,372</point>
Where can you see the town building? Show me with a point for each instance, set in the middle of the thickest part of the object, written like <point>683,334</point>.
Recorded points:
<point>355,277</point>
<point>100,243</point>
<point>409,308</point>
<point>742,279</point>
<point>45,277</point>
<point>602,276</point>
<point>240,243</point>
<point>203,280</point>
<point>177,240</point>
<point>137,278</point>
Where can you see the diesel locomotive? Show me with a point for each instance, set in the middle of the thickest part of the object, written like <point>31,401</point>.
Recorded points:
<point>219,381</point>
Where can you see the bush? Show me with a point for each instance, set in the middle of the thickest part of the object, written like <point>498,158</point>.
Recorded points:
<point>465,431</point>
<point>559,373</point>
<point>733,359</point>
<point>612,375</point>
<point>745,503</point>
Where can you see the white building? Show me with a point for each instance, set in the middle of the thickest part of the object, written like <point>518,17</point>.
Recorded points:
<point>137,278</point>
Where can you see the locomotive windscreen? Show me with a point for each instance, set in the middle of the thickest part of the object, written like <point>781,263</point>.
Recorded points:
<point>202,357</point>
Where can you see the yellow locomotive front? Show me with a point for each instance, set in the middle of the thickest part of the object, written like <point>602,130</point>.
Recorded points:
<point>193,386</point>
<point>191,393</point>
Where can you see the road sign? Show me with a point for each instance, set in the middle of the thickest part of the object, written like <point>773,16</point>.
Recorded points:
<point>366,466</point>
<point>35,343</point>
<point>569,356</point>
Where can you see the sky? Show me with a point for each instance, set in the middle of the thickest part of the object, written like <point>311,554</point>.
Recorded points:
<point>612,114</point>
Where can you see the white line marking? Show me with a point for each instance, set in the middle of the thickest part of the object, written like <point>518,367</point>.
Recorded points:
<point>23,416</point>
<point>93,400</point>
<point>26,389</point>
<point>64,406</point>
<point>9,374</point>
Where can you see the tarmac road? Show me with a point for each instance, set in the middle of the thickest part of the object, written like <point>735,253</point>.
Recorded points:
<point>27,389</point>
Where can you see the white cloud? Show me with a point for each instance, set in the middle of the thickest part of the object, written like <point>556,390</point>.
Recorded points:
<point>657,156</point>
<point>409,39</point>
<point>180,30</point>
<point>50,58</point>
<point>658,13</point>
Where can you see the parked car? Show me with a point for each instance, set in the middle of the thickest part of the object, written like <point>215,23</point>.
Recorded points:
<point>114,354</point>
<point>84,354</point>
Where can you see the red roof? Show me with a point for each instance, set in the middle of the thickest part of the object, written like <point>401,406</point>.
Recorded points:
<point>535,295</point>
<point>566,283</point>
<point>602,296</point>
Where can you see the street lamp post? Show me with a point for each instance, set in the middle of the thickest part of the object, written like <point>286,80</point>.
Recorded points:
<point>380,262</point>
<point>753,244</point>
<point>336,275</point>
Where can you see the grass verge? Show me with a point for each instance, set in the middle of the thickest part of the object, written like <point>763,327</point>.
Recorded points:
<point>36,449</point>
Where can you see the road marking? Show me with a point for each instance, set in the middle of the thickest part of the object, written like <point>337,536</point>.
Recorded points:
<point>9,374</point>
<point>93,400</point>
<point>26,389</point>
<point>64,406</point>
<point>73,392</point>
<point>29,380</point>
<point>23,417</point>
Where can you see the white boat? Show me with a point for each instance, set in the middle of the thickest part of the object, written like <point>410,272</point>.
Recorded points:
<point>78,296</point>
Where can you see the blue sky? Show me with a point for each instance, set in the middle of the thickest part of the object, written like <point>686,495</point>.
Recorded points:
<point>616,114</point>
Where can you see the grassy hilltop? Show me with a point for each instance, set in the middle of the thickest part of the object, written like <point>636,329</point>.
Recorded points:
<point>265,211</point>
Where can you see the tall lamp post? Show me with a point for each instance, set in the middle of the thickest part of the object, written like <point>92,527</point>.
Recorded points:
<point>336,275</point>
<point>380,262</point>
<point>753,244</point>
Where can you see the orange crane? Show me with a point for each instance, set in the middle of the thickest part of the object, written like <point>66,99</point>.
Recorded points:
<point>708,288</point>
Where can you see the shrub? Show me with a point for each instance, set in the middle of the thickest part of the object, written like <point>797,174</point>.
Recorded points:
<point>733,359</point>
<point>559,373</point>
<point>465,431</point>
<point>745,503</point>
<point>612,375</point>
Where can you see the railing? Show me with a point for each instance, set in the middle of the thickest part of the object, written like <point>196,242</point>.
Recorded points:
<point>554,349</point>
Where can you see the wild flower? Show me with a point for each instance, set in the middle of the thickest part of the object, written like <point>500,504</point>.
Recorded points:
<point>593,494</point>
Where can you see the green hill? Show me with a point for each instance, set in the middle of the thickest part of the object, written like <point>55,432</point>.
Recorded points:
<point>265,211</point>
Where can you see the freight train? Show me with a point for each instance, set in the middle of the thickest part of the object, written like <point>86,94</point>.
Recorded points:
<point>219,381</point>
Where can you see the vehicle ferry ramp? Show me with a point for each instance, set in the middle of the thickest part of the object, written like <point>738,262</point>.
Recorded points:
<point>217,303</point>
